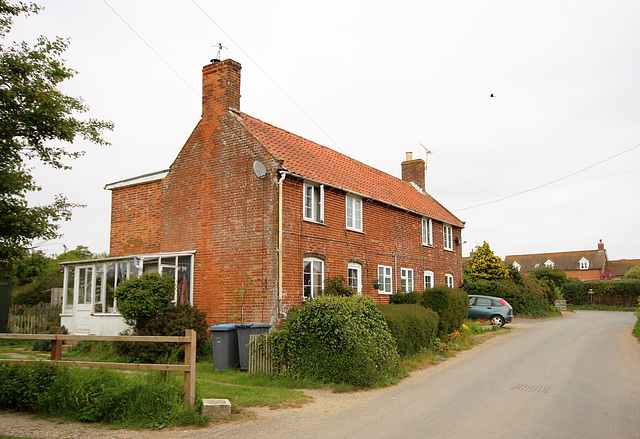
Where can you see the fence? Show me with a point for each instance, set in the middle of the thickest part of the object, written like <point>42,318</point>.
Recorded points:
<point>33,319</point>
<point>189,366</point>
<point>260,355</point>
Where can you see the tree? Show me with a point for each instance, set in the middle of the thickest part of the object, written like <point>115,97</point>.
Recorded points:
<point>633,273</point>
<point>33,112</point>
<point>556,277</point>
<point>483,264</point>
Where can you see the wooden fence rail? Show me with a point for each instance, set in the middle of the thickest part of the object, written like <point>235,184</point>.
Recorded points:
<point>260,355</point>
<point>189,366</point>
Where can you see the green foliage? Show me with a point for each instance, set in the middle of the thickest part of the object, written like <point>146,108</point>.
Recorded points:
<point>171,321</point>
<point>33,113</point>
<point>411,297</point>
<point>414,327</point>
<point>337,340</point>
<point>451,304</point>
<point>633,273</point>
<point>337,286</point>
<point>556,276</point>
<point>94,395</point>
<point>141,298</point>
<point>34,274</point>
<point>620,293</point>
<point>636,327</point>
<point>483,264</point>
<point>23,387</point>
<point>530,298</point>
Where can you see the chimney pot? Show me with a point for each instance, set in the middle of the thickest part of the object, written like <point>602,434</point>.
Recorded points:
<point>409,156</point>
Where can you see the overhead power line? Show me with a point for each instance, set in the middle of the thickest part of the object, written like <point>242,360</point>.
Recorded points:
<point>550,182</point>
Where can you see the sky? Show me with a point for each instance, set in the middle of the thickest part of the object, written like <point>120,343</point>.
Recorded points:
<point>550,163</point>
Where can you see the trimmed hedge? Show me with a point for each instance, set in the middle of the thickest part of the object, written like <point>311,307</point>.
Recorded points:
<point>337,340</point>
<point>413,326</point>
<point>620,293</point>
<point>527,297</point>
<point>451,304</point>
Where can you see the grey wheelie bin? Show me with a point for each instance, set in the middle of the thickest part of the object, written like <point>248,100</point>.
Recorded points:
<point>224,339</point>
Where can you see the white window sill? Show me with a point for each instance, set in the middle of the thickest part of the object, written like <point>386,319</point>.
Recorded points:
<point>382,293</point>
<point>355,230</point>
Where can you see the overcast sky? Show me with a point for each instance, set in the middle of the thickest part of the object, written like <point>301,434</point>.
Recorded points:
<point>551,163</point>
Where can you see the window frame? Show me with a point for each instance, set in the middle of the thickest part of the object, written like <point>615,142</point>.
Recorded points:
<point>584,264</point>
<point>447,237</point>
<point>431,283</point>
<point>358,269</point>
<point>550,264</point>
<point>385,279</point>
<point>353,213</point>
<point>308,291</point>
<point>517,266</point>
<point>427,232</point>
<point>406,275</point>
<point>449,280</point>
<point>313,202</point>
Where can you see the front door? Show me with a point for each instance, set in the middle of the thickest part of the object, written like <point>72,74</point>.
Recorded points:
<point>85,281</point>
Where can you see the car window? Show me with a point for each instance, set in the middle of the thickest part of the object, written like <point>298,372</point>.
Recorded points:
<point>495,303</point>
<point>471,300</point>
<point>483,301</point>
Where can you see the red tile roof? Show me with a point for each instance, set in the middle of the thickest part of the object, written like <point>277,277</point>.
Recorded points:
<point>324,165</point>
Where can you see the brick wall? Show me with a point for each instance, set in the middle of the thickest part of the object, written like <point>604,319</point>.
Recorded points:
<point>390,237</point>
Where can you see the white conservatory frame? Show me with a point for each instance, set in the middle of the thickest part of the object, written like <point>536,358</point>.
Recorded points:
<point>88,302</point>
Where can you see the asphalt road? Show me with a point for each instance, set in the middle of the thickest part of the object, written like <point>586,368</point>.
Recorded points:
<point>572,377</point>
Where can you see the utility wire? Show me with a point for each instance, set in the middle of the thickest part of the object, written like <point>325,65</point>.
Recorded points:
<point>152,49</point>
<point>268,77</point>
<point>550,182</point>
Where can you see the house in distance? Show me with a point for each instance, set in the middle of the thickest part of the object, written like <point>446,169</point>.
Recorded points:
<point>251,220</point>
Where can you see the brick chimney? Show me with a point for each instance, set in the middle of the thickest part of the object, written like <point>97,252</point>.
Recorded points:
<point>220,87</point>
<point>600,246</point>
<point>413,170</point>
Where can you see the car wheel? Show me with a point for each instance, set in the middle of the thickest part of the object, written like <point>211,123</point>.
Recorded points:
<point>497,320</point>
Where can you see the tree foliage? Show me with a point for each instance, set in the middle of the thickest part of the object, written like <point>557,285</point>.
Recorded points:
<point>483,264</point>
<point>633,273</point>
<point>33,114</point>
<point>556,277</point>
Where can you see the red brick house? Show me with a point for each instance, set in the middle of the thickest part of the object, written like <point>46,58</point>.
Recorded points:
<point>252,219</point>
<point>583,265</point>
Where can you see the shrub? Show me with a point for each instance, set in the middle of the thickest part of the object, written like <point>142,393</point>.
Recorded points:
<point>413,326</point>
<point>94,395</point>
<point>141,298</point>
<point>531,297</point>
<point>452,306</point>
<point>337,340</point>
<point>412,297</point>
<point>484,264</point>
<point>171,322</point>
<point>337,286</point>
<point>620,293</point>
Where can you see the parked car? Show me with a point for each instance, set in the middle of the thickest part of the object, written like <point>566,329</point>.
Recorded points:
<point>494,309</point>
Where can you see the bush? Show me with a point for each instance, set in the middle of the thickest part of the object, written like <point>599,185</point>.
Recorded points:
<point>94,395</point>
<point>337,286</point>
<point>412,297</point>
<point>337,340</point>
<point>171,322</point>
<point>141,298</point>
<point>528,297</point>
<point>452,306</point>
<point>620,293</point>
<point>413,326</point>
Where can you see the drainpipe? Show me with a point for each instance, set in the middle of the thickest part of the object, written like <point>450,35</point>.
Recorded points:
<point>283,174</point>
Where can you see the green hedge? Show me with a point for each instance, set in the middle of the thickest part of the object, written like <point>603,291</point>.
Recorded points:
<point>337,340</point>
<point>413,326</point>
<point>619,293</point>
<point>451,304</point>
<point>527,297</point>
<point>94,395</point>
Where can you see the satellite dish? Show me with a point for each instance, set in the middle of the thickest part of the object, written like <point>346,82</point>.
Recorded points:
<point>259,169</point>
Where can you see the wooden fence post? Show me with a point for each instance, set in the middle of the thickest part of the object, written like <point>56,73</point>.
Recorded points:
<point>56,346</point>
<point>190,375</point>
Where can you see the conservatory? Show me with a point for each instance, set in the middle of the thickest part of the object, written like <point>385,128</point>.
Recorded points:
<point>89,305</point>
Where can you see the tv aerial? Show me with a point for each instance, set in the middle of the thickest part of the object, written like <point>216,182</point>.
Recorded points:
<point>426,160</point>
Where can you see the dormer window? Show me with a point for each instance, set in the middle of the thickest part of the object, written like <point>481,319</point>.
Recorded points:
<point>517,266</point>
<point>584,264</point>
<point>313,208</point>
<point>550,264</point>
